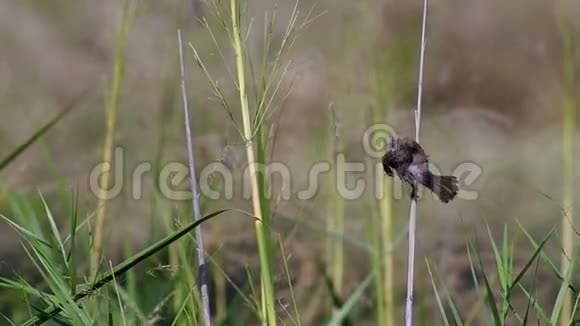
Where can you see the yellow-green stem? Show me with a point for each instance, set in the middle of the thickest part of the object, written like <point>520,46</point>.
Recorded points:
<point>388,270</point>
<point>383,97</point>
<point>336,217</point>
<point>338,262</point>
<point>261,225</point>
<point>569,117</point>
<point>568,225</point>
<point>111,113</point>
<point>374,234</point>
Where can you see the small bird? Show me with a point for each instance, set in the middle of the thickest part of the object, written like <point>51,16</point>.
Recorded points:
<point>408,159</point>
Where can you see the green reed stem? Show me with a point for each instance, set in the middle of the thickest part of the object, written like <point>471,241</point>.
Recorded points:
<point>568,124</point>
<point>111,117</point>
<point>258,193</point>
<point>336,218</point>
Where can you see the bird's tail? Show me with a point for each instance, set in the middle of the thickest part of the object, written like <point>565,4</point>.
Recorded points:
<point>444,186</point>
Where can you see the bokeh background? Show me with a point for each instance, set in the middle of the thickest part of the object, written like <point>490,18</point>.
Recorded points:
<point>494,94</point>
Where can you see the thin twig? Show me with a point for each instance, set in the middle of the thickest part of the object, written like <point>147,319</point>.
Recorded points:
<point>195,198</point>
<point>413,209</point>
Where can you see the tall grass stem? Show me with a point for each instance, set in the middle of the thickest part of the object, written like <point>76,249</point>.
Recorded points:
<point>386,210</point>
<point>111,117</point>
<point>413,209</point>
<point>336,218</point>
<point>262,222</point>
<point>568,124</point>
<point>202,266</point>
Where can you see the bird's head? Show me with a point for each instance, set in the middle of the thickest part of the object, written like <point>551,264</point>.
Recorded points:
<point>390,149</point>
<point>392,144</point>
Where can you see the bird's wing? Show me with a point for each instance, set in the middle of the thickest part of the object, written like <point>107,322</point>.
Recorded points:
<point>419,155</point>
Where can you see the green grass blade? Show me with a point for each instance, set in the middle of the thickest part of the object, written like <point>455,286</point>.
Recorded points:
<point>498,259</point>
<point>133,306</point>
<point>182,309</point>
<point>557,309</point>
<point>124,267</point>
<point>40,132</point>
<point>474,275</point>
<point>119,301</point>
<point>57,176</point>
<point>505,258</point>
<point>78,227</point>
<point>530,299</point>
<point>437,297</point>
<point>539,311</point>
<point>23,286</point>
<point>25,233</point>
<point>456,317</point>
<point>349,304</point>
<point>489,292</point>
<point>55,233</point>
<point>491,301</point>
<point>544,257</point>
<point>251,305</point>
<point>296,318</point>
<point>7,320</point>
<point>71,257</point>
<point>335,298</point>
<point>574,309</point>
<point>343,312</point>
<point>56,283</point>
<point>530,261</point>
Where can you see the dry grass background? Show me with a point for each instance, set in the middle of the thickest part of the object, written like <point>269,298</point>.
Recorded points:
<point>492,96</point>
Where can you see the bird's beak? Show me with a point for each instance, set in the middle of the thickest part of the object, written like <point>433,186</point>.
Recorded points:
<point>386,165</point>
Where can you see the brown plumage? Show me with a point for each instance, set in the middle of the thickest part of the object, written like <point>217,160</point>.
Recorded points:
<point>408,159</point>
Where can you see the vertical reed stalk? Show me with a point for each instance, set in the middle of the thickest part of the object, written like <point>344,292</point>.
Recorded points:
<point>262,222</point>
<point>335,222</point>
<point>386,210</point>
<point>568,150</point>
<point>381,235</point>
<point>111,114</point>
<point>382,232</point>
<point>336,218</point>
<point>413,209</point>
<point>202,267</point>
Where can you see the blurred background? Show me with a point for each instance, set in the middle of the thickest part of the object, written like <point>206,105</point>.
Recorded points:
<point>498,77</point>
